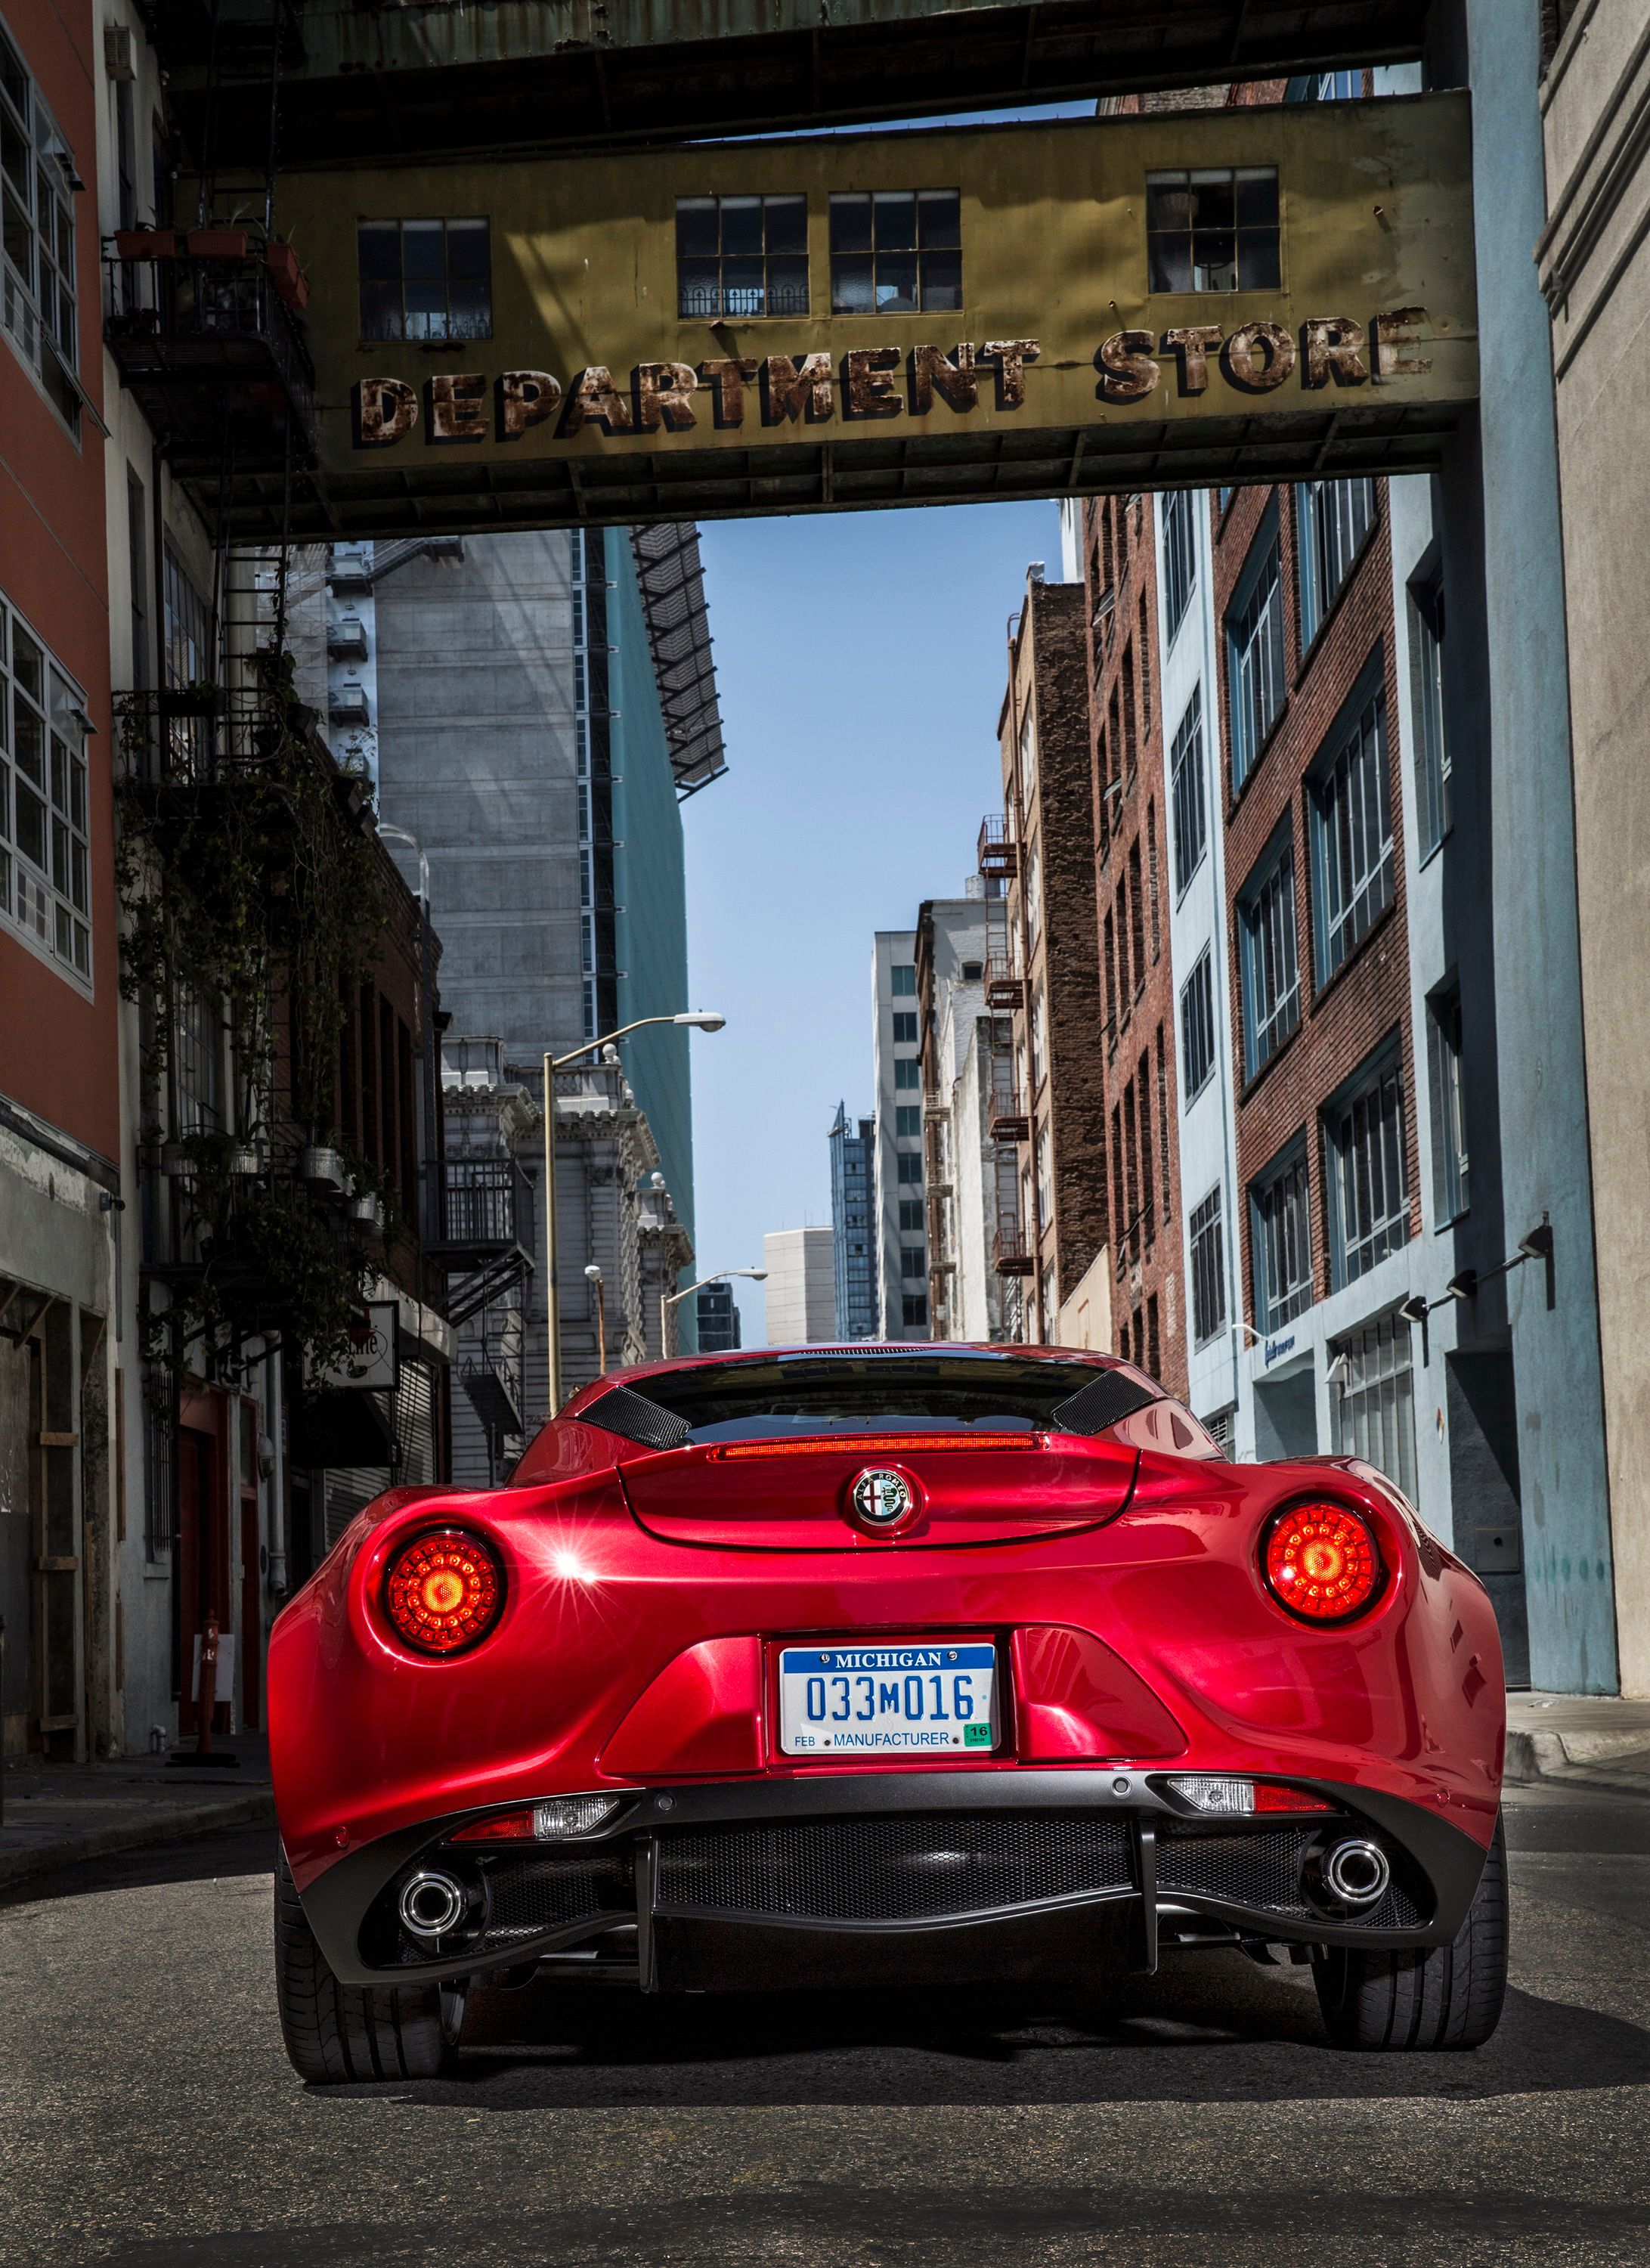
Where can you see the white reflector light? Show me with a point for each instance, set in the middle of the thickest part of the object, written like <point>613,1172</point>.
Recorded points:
<point>571,1815</point>
<point>1206,1792</point>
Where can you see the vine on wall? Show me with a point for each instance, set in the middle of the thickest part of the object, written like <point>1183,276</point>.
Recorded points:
<point>248,878</point>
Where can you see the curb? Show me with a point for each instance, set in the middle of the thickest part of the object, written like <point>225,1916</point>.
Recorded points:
<point>134,1834</point>
<point>1534,1757</point>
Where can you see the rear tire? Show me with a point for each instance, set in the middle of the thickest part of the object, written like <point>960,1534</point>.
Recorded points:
<point>338,2032</point>
<point>1447,1998</point>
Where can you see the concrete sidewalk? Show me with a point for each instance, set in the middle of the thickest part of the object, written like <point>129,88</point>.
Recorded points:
<point>57,1815</point>
<point>1583,1739</point>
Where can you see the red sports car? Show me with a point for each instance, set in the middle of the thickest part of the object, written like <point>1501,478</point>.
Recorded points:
<point>883,1664</point>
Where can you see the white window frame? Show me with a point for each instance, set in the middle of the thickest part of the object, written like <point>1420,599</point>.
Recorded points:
<point>1372,1413</point>
<point>1367,1167</point>
<point>1198,1045</point>
<point>39,311</point>
<point>1257,688</point>
<point>1332,523</point>
<point>1189,794</point>
<point>46,901</point>
<point>1205,1246</point>
<point>1352,852</point>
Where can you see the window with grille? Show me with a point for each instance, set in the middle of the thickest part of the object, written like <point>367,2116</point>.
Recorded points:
<point>1450,1186</point>
<point>1352,838</point>
<point>1206,1229</point>
<point>1280,1237</point>
<point>198,1063</point>
<point>188,626</point>
<point>1270,965</point>
<point>1432,749</point>
<point>895,251</point>
<point>1255,650</point>
<point>1332,518</point>
<point>741,257</point>
<point>1368,1182</point>
<point>1222,1430</point>
<point>45,857</point>
<point>1186,790</point>
<point>38,302</point>
<point>1373,1412</point>
<point>1197,1029</point>
<point>1213,228</point>
<point>426,279</point>
<point>1179,558</point>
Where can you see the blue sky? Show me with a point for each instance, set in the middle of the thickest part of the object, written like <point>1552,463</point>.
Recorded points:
<point>861,660</point>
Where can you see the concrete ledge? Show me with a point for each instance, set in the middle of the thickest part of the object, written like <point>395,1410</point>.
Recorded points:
<point>1584,1739</point>
<point>48,1848</point>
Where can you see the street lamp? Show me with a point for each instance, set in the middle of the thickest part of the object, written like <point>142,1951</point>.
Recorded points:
<point>593,1275</point>
<point>698,1020</point>
<point>667,1299</point>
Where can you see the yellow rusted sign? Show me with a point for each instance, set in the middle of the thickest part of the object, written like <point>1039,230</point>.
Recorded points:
<point>938,315</point>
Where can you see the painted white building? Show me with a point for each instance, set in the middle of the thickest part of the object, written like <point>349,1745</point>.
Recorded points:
<point>801,1288</point>
<point>902,1242</point>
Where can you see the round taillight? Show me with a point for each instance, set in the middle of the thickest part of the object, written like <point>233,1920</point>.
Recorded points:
<point>443,1591</point>
<point>1321,1562</point>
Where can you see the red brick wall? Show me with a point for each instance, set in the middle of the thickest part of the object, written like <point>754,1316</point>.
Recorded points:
<point>57,1047</point>
<point>1049,671</point>
<point>1367,999</point>
<point>1130,911</point>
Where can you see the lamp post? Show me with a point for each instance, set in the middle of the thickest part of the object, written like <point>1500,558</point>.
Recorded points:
<point>700,1019</point>
<point>667,1299</point>
<point>593,1276</point>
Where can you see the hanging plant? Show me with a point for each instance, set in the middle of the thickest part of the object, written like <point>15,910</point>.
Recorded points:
<point>249,876</point>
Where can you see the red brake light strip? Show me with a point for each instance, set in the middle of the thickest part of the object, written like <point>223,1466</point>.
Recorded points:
<point>879,1445</point>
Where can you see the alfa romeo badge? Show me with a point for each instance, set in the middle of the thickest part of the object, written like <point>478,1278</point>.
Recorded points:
<point>881,1499</point>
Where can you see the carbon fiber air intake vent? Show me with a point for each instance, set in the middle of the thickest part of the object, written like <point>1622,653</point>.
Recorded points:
<point>620,1411</point>
<point>1110,1397</point>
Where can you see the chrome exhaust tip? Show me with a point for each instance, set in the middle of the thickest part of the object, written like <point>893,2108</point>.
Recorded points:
<point>1357,1872</point>
<point>431,1904</point>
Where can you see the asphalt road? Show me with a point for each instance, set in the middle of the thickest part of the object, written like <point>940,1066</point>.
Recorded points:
<point>148,2117</point>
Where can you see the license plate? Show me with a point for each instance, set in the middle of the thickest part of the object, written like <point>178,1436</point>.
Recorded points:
<point>886,1699</point>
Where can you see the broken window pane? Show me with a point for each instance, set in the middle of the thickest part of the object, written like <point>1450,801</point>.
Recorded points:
<point>1214,228</point>
<point>896,251</point>
<point>426,279</point>
<point>741,257</point>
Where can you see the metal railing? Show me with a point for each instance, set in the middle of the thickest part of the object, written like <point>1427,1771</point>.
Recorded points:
<point>206,322</point>
<point>998,848</point>
<point>483,1204</point>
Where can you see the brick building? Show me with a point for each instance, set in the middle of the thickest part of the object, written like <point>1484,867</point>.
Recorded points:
<point>1043,966</point>
<point>1132,913</point>
<point>61,1500</point>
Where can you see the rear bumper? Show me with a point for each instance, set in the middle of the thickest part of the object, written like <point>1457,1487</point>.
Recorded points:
<point>907,1876</point>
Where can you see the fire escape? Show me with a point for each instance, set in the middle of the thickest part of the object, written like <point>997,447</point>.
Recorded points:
<point>1008,1115</point>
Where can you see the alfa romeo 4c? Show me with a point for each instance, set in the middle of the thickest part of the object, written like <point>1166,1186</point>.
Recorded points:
<point>883,1665</point>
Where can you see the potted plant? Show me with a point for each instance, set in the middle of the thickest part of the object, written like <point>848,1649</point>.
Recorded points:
<point>321,1167</point>
<point>290,283</point>
<point>145,243</point>
<point>217,243</point>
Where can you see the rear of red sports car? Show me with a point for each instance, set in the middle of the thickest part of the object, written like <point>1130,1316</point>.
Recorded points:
<point>903,1664</point>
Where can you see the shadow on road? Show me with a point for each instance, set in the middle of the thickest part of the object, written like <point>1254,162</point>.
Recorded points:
<point>1209,2027</point>
<point>979,2224</point>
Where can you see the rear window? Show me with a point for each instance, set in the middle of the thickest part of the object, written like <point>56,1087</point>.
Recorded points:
<point>871,1394</point>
